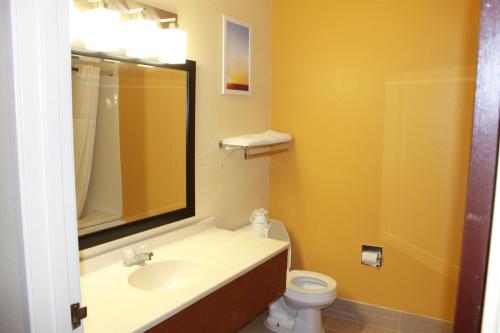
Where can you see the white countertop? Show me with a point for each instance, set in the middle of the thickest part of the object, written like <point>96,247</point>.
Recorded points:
<point>115,306</point>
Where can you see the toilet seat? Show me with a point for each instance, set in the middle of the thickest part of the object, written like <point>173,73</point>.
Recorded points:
<point>300,284</point>
<point>306,282</point>
<point>309,290</point>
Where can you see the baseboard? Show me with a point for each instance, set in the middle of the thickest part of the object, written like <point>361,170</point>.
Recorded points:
<point>386,318</point>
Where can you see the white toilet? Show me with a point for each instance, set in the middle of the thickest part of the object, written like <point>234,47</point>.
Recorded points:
<point>299,309</point>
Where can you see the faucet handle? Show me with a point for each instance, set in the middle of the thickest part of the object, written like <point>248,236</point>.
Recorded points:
<point>143,249</point>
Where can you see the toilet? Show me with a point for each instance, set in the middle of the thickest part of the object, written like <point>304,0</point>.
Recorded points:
<point>299,309</point>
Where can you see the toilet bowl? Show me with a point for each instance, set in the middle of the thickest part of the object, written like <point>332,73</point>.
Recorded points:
<point>299,309</point>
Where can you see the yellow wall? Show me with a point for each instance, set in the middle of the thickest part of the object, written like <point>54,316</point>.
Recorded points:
<point>379,98</point>
<point>152,140</point>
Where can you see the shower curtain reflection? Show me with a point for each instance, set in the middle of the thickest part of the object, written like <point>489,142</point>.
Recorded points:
<point>85,85</point>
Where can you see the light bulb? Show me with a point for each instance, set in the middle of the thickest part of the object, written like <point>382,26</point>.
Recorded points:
<point>140,38</point>
<point>102,30</point>
<point>172,46</point>
<point>77,26</point>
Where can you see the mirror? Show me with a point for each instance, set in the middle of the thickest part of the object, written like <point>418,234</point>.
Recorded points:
<point>133,125</point>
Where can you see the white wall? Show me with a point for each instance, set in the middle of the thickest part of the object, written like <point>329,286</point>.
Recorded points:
<point>12,297</point>
<point>230,193</point>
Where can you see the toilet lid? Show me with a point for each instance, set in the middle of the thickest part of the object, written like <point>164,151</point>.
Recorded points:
<point>277,230</point>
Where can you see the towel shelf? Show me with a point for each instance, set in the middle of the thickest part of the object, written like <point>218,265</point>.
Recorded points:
<point>259,144</point>
<point>249,151</point>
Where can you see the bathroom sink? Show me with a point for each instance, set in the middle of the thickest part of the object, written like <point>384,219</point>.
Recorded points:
<point>166,275</point>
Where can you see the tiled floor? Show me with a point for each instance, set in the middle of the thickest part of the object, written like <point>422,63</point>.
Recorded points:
<point>332,325</point>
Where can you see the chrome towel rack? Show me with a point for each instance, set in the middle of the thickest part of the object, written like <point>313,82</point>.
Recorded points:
<point>249,151</point>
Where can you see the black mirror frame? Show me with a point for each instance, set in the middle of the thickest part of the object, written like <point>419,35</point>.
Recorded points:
<point>124,230</point>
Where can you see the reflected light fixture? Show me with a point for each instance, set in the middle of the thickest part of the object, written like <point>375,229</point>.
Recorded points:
<point>101,28</point>
<point>76,26</point>
<point>139,37</point>
<point>172,45</point>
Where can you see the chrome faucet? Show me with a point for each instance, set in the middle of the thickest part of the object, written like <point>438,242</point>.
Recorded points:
<point>136,258</point>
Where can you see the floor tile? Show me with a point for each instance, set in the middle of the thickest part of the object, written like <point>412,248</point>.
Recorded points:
<point>336,325</point>
<point>416,324</point>
<point>256,326</point>
<point>332,325</point>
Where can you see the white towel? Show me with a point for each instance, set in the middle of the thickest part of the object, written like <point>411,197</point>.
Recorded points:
<point>268,137</point>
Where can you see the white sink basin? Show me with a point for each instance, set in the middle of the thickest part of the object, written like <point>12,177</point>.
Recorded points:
<point>166,275</point>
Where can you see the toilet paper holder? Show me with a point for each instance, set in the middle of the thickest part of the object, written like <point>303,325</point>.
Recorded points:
<point>372,257</point>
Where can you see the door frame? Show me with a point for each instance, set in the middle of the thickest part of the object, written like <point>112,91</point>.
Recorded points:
<point>491,308</point>
<point>482,174</point>
<point>43,130</point>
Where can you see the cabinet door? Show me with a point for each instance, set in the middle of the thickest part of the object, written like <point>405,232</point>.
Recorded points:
<point>235,304</point>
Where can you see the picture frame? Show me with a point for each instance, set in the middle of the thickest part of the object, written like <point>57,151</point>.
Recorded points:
<point>236,57</point>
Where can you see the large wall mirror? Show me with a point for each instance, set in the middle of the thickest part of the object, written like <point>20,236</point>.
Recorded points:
<point>133,126</point>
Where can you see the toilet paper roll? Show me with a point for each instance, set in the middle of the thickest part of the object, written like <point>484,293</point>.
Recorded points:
<point>370,258</point>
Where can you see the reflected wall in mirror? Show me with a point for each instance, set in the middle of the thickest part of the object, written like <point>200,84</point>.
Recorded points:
<point>130,142</point>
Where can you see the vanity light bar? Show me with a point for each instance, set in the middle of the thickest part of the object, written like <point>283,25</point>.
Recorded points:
<point>130,28</point>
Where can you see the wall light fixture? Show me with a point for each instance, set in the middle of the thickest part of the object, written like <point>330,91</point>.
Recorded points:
<point>172,45</point>
<point>101,29</point>
<point>139,36</point>
<point>127,28</point>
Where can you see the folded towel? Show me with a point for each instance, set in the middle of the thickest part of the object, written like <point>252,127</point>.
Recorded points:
<point>268,137</point>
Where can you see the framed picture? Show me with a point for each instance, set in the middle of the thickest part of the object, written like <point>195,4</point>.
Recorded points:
<point>236,57</point>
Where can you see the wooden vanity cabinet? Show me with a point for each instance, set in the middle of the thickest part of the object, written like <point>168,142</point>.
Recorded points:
<point>232,306</point>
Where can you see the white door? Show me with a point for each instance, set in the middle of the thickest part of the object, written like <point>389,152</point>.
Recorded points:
<point>44,145</point>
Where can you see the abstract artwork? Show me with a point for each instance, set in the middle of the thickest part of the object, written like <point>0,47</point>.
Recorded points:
<point>236,46</point>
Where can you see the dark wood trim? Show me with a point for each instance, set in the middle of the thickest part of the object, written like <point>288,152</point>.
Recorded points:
<point>482,174</point>
<point>107,235</point>
<point>229,308</point>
